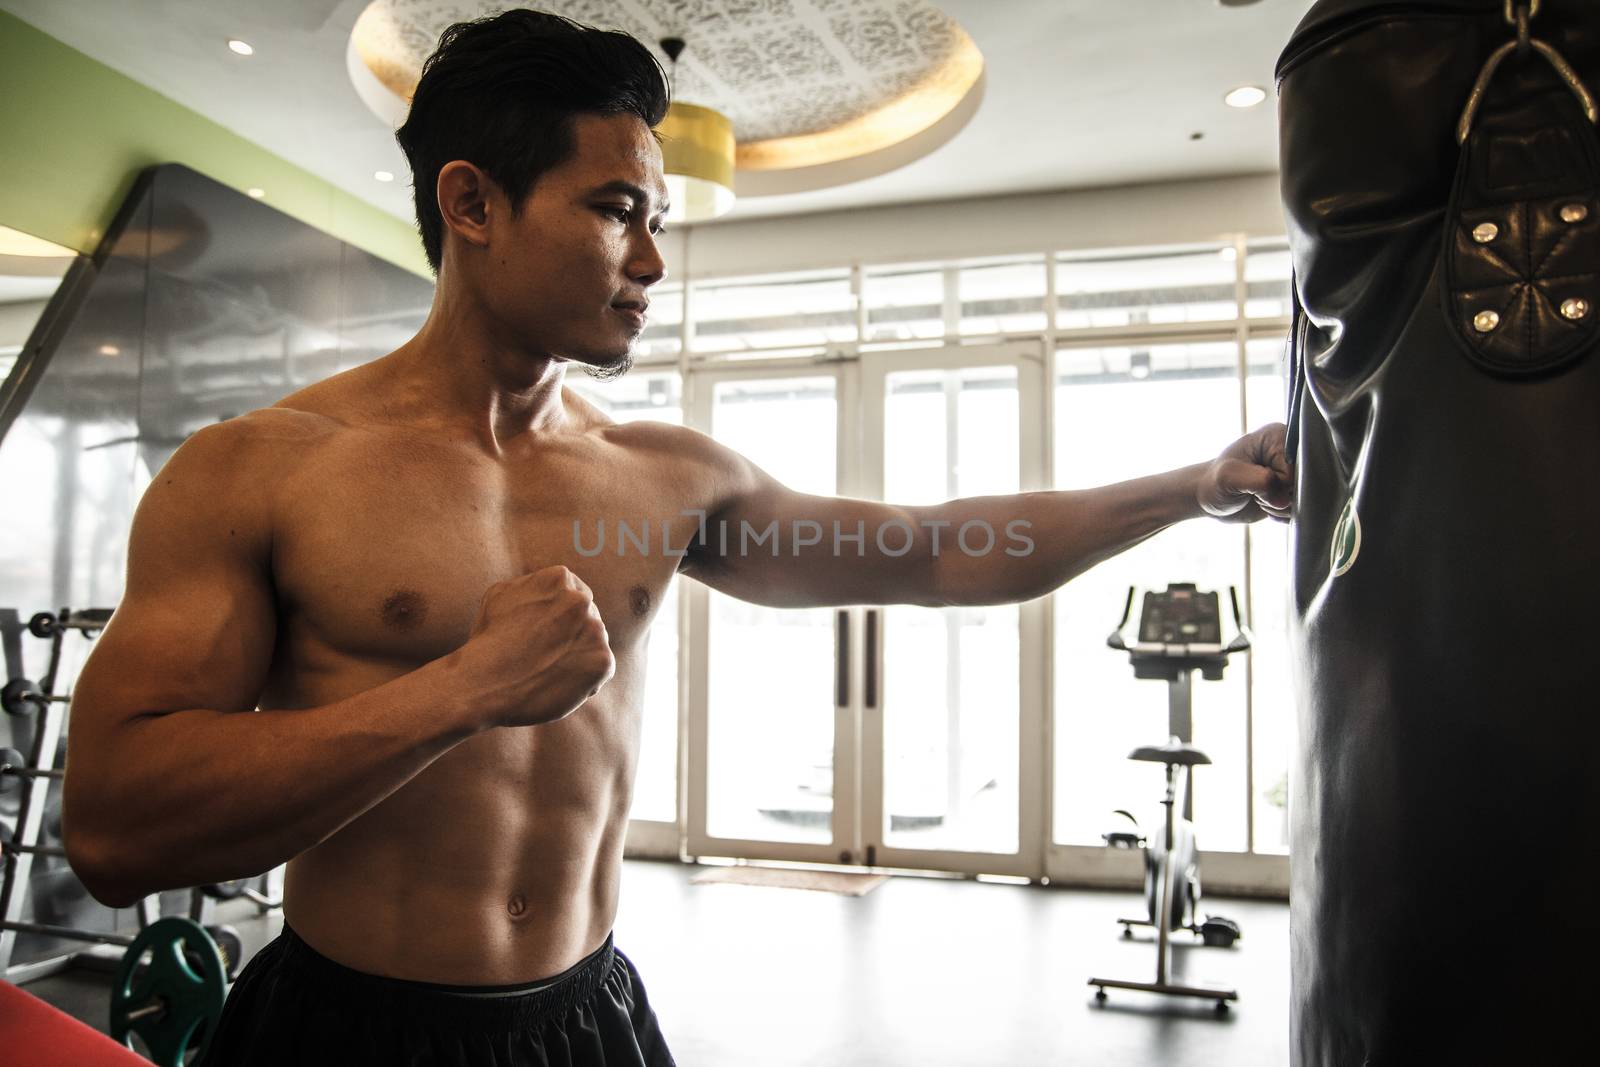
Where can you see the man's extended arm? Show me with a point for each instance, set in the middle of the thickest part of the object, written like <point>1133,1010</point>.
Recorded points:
<point>770,545</point>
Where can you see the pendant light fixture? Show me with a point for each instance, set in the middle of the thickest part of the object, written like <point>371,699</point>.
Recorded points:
<point>697,150</point>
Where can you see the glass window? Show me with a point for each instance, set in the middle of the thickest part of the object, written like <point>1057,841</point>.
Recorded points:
<point>1273,693</point>
<point>788,311</point>
<point>23,296</point>
<point>655,396</point>
<point>1110,427</point>
<point>1267,270</point>
<point>905,302</point>
<point>641,394</point>
<point>663,332</point>
<point>1122,411</point>
<point>1003,296</point>
<point>1121,363</point>
<point>1129,290</point>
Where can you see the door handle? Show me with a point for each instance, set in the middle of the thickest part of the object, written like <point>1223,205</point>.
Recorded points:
<point>841,661</point>
<point>872,658</point>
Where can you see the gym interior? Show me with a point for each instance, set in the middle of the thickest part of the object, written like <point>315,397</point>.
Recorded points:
<point>954,249</point>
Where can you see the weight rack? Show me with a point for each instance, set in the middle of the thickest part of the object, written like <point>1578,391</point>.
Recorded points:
<point>36,771</point>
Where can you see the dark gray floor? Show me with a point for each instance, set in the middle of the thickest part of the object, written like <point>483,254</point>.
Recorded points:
<point>925,972</point>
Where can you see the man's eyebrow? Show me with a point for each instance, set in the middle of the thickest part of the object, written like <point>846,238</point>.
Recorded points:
<point>629,189</point>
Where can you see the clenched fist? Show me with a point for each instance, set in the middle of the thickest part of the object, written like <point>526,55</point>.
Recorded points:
<point>1251,479</point>
<point>538,649</point>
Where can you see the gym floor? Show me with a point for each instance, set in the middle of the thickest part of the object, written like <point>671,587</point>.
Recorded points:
<point>921,971</point>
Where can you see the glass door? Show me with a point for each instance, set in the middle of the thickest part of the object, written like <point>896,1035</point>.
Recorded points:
<point>771,754</point>
<point>952,697</point>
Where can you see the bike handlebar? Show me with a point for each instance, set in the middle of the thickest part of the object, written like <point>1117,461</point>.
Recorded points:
<point>1242,640</point>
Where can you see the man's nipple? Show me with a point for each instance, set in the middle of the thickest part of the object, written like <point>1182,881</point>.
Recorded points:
<point>404,610</point>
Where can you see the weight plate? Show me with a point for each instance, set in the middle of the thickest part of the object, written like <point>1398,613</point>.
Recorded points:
<point>42,625</point>
<point>10,757</point>
<point>18,697</point>
<point>231,946</point>
<point>185,980</point>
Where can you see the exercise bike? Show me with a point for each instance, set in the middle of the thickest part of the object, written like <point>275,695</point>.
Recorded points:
<point>1180,632</point>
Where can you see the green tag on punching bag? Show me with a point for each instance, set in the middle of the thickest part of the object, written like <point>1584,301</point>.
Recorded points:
<point>1346,539</point>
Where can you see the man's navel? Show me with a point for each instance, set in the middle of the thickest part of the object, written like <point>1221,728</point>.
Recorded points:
<point>517,906</point>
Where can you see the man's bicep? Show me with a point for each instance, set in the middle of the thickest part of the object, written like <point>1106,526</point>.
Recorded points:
<point>197,621</point>
<point>773,546</point>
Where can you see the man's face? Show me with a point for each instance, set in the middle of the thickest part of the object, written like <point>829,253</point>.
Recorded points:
<point>570,275</point>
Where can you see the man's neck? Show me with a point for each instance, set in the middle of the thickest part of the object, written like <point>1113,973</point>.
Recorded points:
<point>456,370</point>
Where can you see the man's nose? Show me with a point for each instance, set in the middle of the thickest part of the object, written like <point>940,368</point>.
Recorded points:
<point>649,266</point>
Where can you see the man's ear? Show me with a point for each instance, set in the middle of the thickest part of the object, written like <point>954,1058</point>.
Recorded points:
<point>466,198</point>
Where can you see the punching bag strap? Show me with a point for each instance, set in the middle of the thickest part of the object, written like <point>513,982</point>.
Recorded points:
<point>1519,15</point>
<point>1521,255</point>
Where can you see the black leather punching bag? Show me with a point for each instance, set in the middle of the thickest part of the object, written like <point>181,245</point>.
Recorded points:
<point>1441,177</point>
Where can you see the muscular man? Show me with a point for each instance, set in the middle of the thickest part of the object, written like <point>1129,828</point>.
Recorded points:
<point>359,637</point>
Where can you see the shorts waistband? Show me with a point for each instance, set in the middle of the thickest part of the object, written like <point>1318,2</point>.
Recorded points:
<point>526,1002</point>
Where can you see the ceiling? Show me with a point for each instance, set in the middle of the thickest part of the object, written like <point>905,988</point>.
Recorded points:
<point>778,68</point>
<point>1080,93</point>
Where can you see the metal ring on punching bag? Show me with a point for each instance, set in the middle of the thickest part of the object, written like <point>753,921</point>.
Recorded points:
<point>1519,15</point>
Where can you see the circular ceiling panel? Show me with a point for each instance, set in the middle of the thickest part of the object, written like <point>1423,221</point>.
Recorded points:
<point>820,92</point>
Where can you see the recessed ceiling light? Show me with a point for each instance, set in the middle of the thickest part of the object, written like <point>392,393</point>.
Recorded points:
<point>255,194</point>
<point>240,48</point>
<point>1245,96</point>
<point>110,350</point>
<point>1229,253</point>
<point>383,175</point>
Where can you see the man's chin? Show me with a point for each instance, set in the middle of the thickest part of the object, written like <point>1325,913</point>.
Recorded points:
<point>607,368</point>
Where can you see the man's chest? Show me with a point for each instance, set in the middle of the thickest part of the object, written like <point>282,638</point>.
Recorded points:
<point>389,557</point>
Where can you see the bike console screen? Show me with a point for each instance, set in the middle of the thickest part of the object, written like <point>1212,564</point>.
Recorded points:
<point>1182,615</point>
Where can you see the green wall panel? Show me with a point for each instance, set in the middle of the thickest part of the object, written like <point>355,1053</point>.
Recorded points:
<point>74,133</point>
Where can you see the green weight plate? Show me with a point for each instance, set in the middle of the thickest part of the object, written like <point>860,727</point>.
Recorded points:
<point>185,979</point>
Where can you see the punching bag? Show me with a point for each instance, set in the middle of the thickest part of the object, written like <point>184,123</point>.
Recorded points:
<point>1441,180</point>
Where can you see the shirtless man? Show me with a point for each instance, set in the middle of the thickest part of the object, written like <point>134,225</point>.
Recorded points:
<point>358,635</point>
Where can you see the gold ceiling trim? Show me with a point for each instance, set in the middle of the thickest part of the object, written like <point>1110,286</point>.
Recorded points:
<point>373,29</point>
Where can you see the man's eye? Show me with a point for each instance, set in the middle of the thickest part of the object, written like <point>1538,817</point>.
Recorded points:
<point>618,213</point>
<point>657,230</point>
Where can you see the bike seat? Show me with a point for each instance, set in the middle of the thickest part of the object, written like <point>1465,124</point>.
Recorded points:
<point>1171,752</point>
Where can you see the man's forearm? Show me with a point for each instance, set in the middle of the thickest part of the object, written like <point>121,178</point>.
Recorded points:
<point>1070,531</point>
<point>204,796</point>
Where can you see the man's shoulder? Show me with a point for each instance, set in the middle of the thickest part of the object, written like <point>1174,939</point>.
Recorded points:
<point>665,437</point>
<point>262,433</point>
<point>699,470</point>
<point>647,434</point>
<point>675,447</point>
<point>239,461</point>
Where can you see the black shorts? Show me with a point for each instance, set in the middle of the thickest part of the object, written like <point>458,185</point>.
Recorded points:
<point>294,1006</point>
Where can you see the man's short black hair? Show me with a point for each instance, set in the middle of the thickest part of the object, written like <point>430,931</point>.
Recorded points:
<point>501,92</point>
